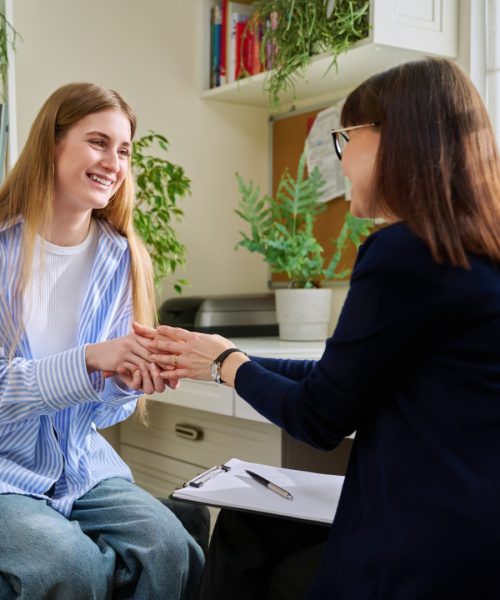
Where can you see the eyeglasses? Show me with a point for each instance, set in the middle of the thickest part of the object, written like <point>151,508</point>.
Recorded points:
<point>340,138</point>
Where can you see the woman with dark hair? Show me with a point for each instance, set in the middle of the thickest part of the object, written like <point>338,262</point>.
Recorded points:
<point>413,366</point>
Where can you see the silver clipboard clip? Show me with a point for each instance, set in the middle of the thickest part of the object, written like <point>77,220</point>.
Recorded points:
<point>202,478</point>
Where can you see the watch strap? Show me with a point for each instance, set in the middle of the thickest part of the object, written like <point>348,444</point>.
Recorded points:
<point>220,359</point>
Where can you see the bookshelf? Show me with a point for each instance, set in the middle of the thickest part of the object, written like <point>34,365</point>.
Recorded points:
<point>399,32</point>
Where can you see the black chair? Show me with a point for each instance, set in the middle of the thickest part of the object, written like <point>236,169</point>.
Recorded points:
<point>194,517</point>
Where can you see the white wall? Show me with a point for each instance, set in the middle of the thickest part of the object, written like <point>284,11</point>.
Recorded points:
<point>151,51</point>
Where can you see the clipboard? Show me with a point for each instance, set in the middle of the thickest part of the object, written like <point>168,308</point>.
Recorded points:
<point>315,495</point>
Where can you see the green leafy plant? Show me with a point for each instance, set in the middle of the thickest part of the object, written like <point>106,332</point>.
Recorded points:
<point>304,28</point>
<point>8,37</point>
<point>281,229</point>
<point>159,186</point>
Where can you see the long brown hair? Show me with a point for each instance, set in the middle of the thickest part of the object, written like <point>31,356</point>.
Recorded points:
<point>28,191</point>
<point>437,166</point>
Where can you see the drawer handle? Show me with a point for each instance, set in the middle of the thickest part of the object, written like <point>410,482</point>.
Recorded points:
<point>188,432</point>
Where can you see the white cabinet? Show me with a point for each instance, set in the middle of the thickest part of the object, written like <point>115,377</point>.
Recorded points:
<point>162,456</point>
<point>201,395</point>
<point>400,30</point>
<point>203,424</point>
<point>214,398</point>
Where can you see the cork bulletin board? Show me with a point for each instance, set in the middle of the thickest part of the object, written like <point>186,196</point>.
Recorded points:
<point>288,136</point>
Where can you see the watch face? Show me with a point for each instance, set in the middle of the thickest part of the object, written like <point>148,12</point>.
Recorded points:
<point>214,372</point>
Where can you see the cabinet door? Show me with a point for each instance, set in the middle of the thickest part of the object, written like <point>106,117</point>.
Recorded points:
<point>428,26</point>
<point>202,395</point>
<point>243,410</point>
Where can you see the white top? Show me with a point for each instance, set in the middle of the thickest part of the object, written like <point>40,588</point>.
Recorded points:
<point>53,300</point>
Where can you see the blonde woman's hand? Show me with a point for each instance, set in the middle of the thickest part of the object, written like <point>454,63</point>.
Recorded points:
<point>146,335</point>
<point>146,378</point>
<point>126,351</point>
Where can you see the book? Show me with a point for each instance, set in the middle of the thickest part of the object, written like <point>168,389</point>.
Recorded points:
<point>215,36</point>
<point>223,39</point>
<point>315,495</point>
<point>236,13</point>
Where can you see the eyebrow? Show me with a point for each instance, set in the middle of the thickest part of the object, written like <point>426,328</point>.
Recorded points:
<point>106,136</point>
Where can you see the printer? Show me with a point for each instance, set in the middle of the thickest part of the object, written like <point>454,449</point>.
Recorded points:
<point>248,315</point>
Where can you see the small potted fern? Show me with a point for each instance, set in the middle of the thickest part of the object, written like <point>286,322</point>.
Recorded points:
<point>282,230</point>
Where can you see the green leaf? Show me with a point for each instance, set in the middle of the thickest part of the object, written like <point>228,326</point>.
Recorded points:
<point>282,228</point>
<point>159,186</point>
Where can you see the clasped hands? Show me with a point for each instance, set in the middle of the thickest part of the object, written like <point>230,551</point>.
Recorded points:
<point>150,359</point>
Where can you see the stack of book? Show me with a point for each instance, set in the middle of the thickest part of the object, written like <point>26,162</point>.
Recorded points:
<point>237,42</point>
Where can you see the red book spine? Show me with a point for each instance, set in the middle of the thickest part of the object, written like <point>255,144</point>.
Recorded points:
<point>248,49</point>
<point>223,72</point>
<point>240,28</point>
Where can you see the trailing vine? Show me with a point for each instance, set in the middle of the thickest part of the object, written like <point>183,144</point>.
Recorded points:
<point>302,29</point>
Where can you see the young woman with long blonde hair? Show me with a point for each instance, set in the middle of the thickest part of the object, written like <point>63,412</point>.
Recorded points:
<point>73,277</point>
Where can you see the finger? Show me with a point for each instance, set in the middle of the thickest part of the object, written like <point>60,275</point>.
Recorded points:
<point>173,384</point>
<point>147,384</point>
<point>173,375</point>
<point>175,333</point>
<point>136,380</point>
<point>130,366</point>
<point>126,376</point>
<point>107,374</point>
<point>164,360</point>
<point>168,346</point>
<point>143,330</point>
<point>158,383</point>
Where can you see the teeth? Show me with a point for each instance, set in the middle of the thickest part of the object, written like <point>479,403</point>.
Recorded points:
<point>100,180</point>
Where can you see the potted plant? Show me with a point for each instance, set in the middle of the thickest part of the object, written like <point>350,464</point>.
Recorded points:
<point>282,230</point>
<point>296,31</point>
<point>159,185</point>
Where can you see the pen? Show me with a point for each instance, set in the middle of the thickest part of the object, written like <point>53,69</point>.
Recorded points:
<point>270,486</point>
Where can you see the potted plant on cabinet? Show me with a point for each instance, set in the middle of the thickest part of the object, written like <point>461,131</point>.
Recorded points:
<point>281,229</point>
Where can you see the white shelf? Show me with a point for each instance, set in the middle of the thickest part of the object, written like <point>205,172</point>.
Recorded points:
<point>399,32</point>
<point>360,62</point>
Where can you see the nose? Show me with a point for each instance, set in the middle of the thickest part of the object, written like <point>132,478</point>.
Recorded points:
<point>110,161</point>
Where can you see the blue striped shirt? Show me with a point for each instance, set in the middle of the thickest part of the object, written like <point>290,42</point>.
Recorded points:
<point>51,408</point>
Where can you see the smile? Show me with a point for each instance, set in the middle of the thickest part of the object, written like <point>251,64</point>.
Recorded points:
<point>101,180</point>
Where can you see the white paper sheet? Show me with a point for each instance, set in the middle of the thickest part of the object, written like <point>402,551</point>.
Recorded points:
<point>321,152</point>
<point>315,496</point>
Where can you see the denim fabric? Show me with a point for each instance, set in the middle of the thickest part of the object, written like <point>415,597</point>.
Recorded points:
<point>119,542</point>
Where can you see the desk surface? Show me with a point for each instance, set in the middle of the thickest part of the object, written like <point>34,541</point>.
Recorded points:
<point>276,348</point>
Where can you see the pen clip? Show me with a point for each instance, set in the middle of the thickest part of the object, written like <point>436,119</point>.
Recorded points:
<point>202,478</point>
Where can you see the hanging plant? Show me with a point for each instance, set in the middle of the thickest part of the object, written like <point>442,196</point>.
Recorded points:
<point>297,30</point>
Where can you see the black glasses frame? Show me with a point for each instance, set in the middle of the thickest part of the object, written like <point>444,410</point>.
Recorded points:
<point>341,133</point>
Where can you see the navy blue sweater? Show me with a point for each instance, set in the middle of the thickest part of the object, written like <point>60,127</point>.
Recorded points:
<point>414,368</point>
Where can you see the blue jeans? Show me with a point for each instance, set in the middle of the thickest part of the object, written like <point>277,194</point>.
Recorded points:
<point>119,542</point>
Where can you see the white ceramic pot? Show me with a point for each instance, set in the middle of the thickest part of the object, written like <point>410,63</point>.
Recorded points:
<point>303,314</point>
<point>339,294</point>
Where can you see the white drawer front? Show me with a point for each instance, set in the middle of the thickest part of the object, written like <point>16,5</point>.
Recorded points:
<point>202,395</point>
<point>243,410</point>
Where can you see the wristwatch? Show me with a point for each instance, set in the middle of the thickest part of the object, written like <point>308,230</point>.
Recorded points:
<point>215,367</point>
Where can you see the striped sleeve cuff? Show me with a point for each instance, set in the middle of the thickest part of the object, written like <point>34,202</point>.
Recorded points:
<point>63,379</point>
<point>116,393</point>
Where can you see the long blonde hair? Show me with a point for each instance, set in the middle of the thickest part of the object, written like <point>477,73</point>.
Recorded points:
<point>28,191</point>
